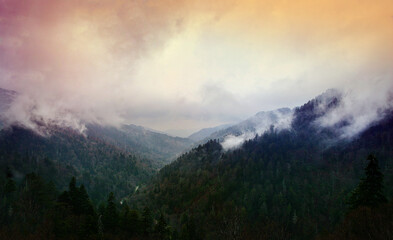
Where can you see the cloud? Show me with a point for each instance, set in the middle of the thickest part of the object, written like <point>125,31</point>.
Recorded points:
<point>184,64</point>
<point>262,122</point>
<point>360,107</point>
<point>232,142</point>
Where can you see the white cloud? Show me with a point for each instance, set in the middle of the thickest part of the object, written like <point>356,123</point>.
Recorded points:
<point>361,106</point>
<point>185,64</point>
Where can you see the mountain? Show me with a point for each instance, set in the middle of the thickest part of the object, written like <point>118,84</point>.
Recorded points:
<point>103,158</point>
<point>206,132</point>
<point>233,136</point>
<point>306,116</point>
<point>147,143</point>
<point>280,174</point>
<point>285,183</point>
<point>136,139</point>
<point>99,165</point>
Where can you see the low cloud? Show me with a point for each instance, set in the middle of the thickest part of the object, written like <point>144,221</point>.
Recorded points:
<point>233,142</point>
<point>279,120</point>
<point>360,107</point>
<point>186,64</point>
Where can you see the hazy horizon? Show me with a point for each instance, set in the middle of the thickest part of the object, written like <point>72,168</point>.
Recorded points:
<point>180,66</point>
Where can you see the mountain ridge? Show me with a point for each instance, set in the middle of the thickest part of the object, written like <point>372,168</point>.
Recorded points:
<point>291,181</point>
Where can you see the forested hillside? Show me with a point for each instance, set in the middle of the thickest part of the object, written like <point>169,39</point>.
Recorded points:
<point>36,209</point>
<point>196,120</point>
<point>297,182</point>
<point>152,145</point>
<point>291,184</point>
<point>100,166</point>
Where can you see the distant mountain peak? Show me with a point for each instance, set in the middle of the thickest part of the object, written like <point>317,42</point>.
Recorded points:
<point>305,115</point>
<point>206,132</point>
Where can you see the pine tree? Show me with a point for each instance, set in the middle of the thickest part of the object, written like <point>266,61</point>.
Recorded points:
<point>86,206</point>
<point>188,228</point>
<point>162,229</point>
<point>73,196</point>
<point>110,219</point>
<point>147,220</point>
<point>124,216</point>
<point>369,192</point>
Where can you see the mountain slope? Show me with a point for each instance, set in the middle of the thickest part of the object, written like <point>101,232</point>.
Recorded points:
<point>153,145</point>
<point>100,166</point>
<point>292,182</point>
<point>233,136</point>
<point>136,139</point>
<point>206,132</point>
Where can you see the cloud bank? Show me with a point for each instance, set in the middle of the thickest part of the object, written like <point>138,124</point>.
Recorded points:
<point>186,64</point>
<point>279,120</point>
<point>360,107</point>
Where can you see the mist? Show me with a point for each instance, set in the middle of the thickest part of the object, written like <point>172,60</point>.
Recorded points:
<point>184,65</point>
<point>262,122</point>
<point>360,107</point>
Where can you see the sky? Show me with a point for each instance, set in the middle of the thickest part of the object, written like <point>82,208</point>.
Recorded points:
<point>179,65</point>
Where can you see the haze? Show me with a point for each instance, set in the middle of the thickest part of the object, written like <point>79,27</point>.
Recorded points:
<point>178,66</point>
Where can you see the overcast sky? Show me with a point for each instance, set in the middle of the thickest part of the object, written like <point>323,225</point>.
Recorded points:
<point>180,65</point>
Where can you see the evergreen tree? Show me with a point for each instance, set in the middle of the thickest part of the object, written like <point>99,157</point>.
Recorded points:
<point>369,191</point>
<point>124,215</point>
<point>86,206</point>
<point>162,229</point>
<point>73,196</point>
<point>188,228</point>
<point>133,222</point>
<point>10,186</point>
<point>147,221</point>
<point>129,220</point>
<point>110,219</point>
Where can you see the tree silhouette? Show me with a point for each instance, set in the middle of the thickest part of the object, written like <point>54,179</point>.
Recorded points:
<point>110,218</point>
<point>147,221</point>
<point>162,229</point>
<point>369,191</point>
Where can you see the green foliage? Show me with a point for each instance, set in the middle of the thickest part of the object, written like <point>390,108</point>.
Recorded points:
<point>147,221</point>
<point>33,209</point>
<point>74,214</point>
<point>288,184</point>
<point>148,144</point>
<point>369,192</point>
<point>281,185</point>
<point>370,216</point>
<point>162,230</point>
<point>188,228</point>
<point>100,166</point>
<point>130,220</point>
<point>364,223</point>
<point>110,218</point>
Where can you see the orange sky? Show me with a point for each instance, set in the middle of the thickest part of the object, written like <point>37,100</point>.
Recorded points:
<point>183,65</point>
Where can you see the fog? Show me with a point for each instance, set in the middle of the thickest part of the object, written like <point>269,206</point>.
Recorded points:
<point>184,65</point>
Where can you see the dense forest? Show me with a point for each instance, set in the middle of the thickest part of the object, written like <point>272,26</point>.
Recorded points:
<point>291,184</point>
<point>303,182</point>
<point>201,206</point>
<point>102,167</point>
<point>34,209</point>
<point>239,196</point>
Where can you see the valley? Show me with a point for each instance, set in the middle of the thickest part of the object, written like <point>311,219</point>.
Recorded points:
<point>290,178</point>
